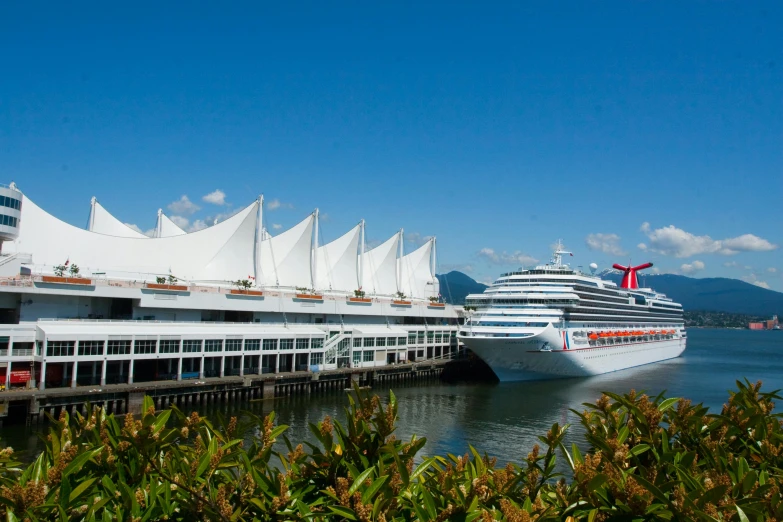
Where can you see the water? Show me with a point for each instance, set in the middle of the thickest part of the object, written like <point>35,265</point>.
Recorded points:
<point>504,420</point>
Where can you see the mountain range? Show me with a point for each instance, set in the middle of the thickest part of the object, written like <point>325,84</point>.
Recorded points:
<point>714,294</point>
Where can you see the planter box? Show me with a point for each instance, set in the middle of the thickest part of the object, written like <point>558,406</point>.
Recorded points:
<point>66,280</point>
<point>360,300</point>
<point>170,288</point>
<point>255,293</point>
<point>401,303</point>
<point>437,305</point>
<point>310,297</point>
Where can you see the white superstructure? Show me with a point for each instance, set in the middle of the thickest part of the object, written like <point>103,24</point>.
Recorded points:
<point>551,321</point>
<point>231,299</point>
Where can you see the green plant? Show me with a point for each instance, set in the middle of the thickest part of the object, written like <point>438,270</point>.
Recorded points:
<point>400,295</point>
<point>160,280</point>
<point>434,299</point>
<point>74,270</point>
<point>358,293</point>
<point>171,279</point>
<point>60,270</point>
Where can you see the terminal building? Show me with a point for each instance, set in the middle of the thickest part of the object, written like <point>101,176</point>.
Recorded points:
<point>107,304</point>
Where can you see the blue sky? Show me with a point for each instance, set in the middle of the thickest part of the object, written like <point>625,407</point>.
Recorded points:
<point>496,127</point>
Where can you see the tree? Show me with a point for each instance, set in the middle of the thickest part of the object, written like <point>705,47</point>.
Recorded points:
<point>59,270</point>
<point>74,270</point>
<point>243,284</point>
<point>172,280</point>
<point>160,280</point>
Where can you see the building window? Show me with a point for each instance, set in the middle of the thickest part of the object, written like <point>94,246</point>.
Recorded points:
<point>420,337</point>
<point>59,348</point>
<point>402,341</point>
<point>316,358</point>
<point>90,347</point>
<point>430,336</point>
<point>169,346</point>
<point>412,338</point>
<point>233,345</point>
<point>357,342</point>
<point>118,348</point>
<point>270,344</point>
<point>191,346</point>
<point>252,345</point>
<point>213,345</point>
<point>302,344</point>
<point>144,346</point>
<point>391,341</point>
<point>438,338</point>
<point>368,356</point>
<point>369,341</point>
<point>286,344</point>
<point>317,344</point>
<point>380,341</point>
<point>357,357</point>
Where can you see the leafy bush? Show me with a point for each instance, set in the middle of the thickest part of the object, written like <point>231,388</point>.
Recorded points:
<point>650,459</point>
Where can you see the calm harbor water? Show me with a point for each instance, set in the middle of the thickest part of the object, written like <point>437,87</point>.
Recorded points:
<point>504,420</point>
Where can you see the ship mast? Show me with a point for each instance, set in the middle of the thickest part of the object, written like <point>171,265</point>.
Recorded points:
<point>557,257</point>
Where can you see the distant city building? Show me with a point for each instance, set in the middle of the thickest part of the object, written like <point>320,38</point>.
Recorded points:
<point>771,324</point>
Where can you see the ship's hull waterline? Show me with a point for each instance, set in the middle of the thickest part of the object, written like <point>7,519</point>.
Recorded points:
<point>521,359</point>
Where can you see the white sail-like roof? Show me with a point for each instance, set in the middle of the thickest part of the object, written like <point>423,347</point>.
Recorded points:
<point>416,272</point>
<point>379,268</point>
<point>222,252</point>
<point>285,259</point>
<point>337,263</point>
<point>102,222</point>
<point>166,227</point>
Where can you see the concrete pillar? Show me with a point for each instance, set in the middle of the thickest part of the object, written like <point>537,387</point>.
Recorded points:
<point>277,363</point>
<point>130,378</point>
<point>103,372</point>
<point>260,359</point>
<point>135,402</point>
<point>179,369</point>
<point>222,366</point>
<point>94,370</point>
<point>269,389</point>
<point>242,365</point>
<point>73,376</point>
<point>8,376</point>
<point>201,369</point>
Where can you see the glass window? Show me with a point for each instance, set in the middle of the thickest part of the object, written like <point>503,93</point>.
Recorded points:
<point>317,343</point>
<point>118,348</point>
<point>357,342</point>
<point>169,346</point>
<point>144,346</point>
<point>252,345</point>
<point>412,338</point>
<point>380,341</point>
<point>213,345</point>
<point>316,358</point>
<point>233,345</point>
<point>302,344</point>
<point>420,337</point>
<point>368,356</point>
<point>430,335</point>
<point>402,340</point>
<point>357,357</point>
<point>90,347</point>
<point>391,341</point>
<point>369,341</point>
<point>286,344</point>
<point>191,345</point>
<point>270,344</point>
<point>438,338</point>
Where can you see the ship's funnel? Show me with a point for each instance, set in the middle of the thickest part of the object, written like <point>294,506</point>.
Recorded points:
<point>629,277</point>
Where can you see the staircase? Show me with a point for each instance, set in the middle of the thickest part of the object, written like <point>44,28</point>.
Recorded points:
<point>333,345</point>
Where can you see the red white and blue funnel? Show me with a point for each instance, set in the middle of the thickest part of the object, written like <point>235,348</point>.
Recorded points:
<point>629,278</point>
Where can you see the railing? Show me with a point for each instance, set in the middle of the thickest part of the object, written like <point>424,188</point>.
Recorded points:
<point>17,352</point>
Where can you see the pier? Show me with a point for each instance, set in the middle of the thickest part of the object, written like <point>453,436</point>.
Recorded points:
<point>32,405</point>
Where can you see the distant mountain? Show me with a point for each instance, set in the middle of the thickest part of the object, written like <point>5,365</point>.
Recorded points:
<point>455,286</point>
<point>714,294</point>
<point>717,294</point>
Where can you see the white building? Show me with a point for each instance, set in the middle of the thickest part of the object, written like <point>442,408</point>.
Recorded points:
<point>171,306</point>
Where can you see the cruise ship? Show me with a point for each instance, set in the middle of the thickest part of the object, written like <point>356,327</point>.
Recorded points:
<point>106,304</point>
<point>552,321</point>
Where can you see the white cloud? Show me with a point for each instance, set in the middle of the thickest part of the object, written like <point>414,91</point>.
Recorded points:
<point>181,222</point>
<point>606,243</point>
<point>504,258</point>
<point>183,206</point>
<point>148,233</point>
<point>274,204</point>
<point>673,241</point>
<point>692,268</point>
<point>464,268</point>
<point>324,217</point>
<point>222,216</point>
<point>218,197</point>
<point>772,270</point>
<point>754,280</point>
<point>197,225</point>
<point>731,264</point>
<point>277,226</point>
<point>415,238</point>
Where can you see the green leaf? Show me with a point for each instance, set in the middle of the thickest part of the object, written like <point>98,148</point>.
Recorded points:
<point>81,488</point>
<point>429,503</point>
<point>668,403</point>
<point>639,449</point>
<point>741,514</point>
<point>370,492</point>
<point>360,480</point>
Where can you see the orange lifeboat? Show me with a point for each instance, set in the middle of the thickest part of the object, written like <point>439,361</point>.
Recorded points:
<point>593,336</point>
<point>651,332</point>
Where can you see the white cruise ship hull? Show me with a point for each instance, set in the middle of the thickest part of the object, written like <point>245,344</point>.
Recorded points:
<point>522,359</point>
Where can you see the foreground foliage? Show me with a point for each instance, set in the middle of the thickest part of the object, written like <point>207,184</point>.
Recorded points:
<point>650,459</point>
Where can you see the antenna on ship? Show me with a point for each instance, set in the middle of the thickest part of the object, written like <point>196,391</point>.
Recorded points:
<point>557,257</point>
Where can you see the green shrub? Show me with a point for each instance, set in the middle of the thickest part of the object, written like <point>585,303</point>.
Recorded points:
<point>650,459</point>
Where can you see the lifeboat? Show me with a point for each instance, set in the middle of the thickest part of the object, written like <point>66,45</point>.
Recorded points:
<point>593,336</point>
<point>651,332</point>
